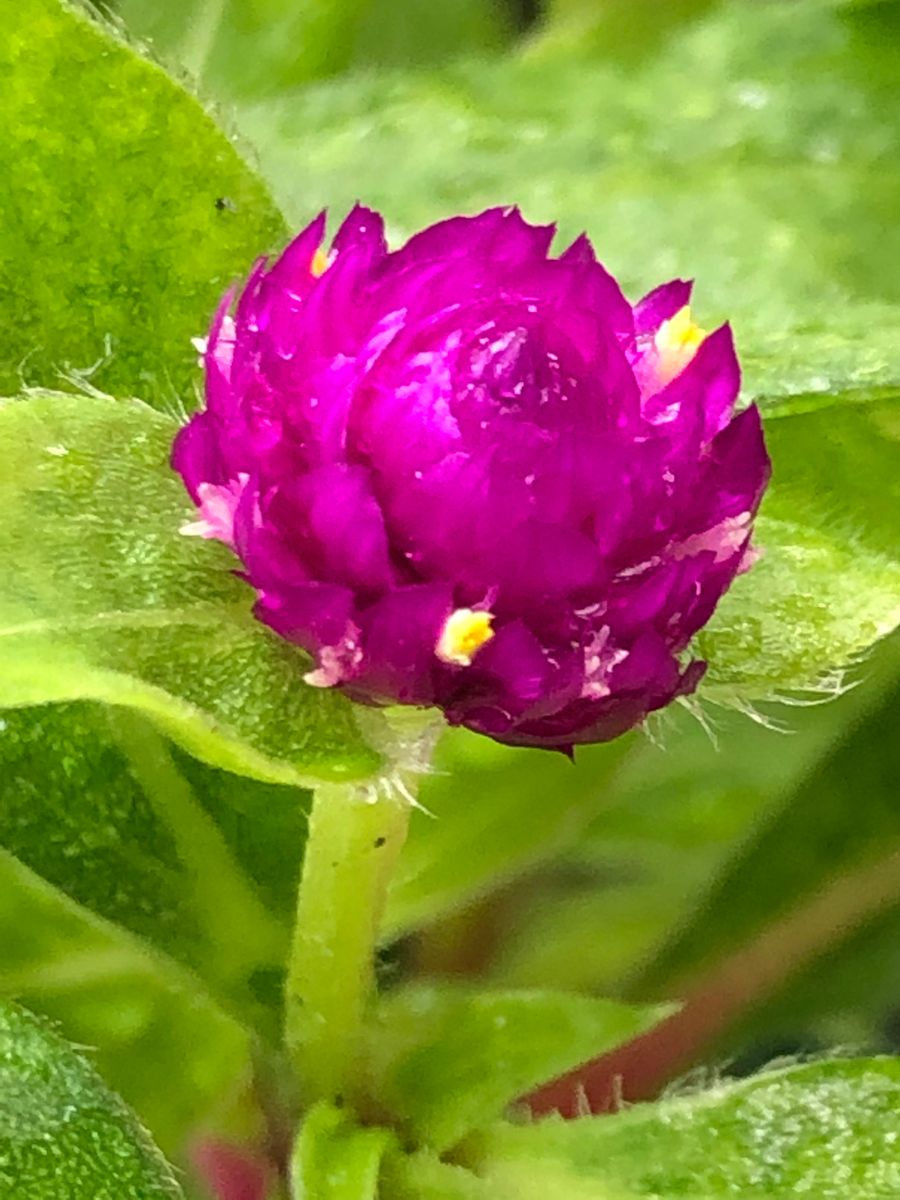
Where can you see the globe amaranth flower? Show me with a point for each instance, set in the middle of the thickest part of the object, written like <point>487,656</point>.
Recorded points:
<point>471,475</point>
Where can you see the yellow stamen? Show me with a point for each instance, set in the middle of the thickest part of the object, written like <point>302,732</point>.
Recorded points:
<point>465,632</point>
<point>677,341</point>
<point>319,264</point>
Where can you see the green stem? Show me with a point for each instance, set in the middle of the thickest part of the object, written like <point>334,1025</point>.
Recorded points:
<point>354,840</point>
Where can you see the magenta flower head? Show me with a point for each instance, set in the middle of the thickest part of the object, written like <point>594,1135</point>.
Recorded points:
<point>471,475</point>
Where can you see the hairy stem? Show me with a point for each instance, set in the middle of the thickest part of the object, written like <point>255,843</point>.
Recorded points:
<point>354,840</point>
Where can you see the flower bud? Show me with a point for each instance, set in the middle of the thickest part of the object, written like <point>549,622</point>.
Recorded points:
<point>471,475</point>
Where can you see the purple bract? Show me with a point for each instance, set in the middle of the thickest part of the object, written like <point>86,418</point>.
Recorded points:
<point>469,475</point>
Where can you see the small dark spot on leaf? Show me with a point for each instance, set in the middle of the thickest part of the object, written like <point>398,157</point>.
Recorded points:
<point>379,842</point>
<point>223,204</point>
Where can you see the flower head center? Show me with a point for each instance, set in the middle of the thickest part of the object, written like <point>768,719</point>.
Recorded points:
<point>676,342</point>
<point>465,631</point>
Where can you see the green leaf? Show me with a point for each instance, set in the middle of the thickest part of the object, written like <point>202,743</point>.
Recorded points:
<point>491,814</point>
<point>235,50</point>
<point>138,206</point>
<point>828,584</point>
<point>199,864</point>
<point>754,151</point>
<point>147,1022</point>
<point>103,599</point>
<point>837,471</point>
<point>800,617</point>
<point>72,811</point>
<point>334,1159</point>
<point>264,824</point>
<point>445,1060</point>
<point>63,1133</point>
<point>827,1130</point>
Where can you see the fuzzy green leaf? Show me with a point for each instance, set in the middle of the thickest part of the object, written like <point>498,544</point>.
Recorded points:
<point>104,599</point>
<point>63,1134</point>
<point>809,609</point>
<point>126,211</point>
<point>197,863</point>
<point>828,1130</point>
<point>836,470</point>
<point>828,584</point>
<point>148,1020</point>
<point>444,1060</point>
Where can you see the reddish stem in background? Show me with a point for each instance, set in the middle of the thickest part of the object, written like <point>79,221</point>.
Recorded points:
<point>641,1068</point>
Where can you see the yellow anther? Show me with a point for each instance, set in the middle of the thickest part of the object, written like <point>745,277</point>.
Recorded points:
<point>465,632</point>
<point>676,342</point>
<point>679,333</point>
<point>319,264</point>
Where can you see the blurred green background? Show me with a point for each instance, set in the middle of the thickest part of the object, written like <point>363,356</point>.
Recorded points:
<point>752,145</point>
